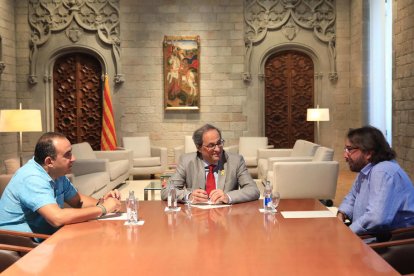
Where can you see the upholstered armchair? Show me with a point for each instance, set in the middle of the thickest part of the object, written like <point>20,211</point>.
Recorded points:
<point>188,147</point>
<point>97,172</point>
<point>147,159</point>
<point>302,151</point>
<point>248,147</point>
<point>4,180</point>
<point>315,178</point>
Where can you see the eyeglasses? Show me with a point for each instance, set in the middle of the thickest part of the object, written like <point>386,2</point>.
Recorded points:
<point>212,146</point>
<point>349,149</point>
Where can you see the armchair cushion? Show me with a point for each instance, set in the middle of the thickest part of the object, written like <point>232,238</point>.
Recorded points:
<point>140,146</point>
<point>146,162</point>
<point>11,165</point>
<point>84,151</point>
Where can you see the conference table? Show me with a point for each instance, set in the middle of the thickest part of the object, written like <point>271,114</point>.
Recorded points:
<point>235,240</point>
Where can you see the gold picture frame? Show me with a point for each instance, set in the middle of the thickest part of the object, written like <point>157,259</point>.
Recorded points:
<point>181,56</point>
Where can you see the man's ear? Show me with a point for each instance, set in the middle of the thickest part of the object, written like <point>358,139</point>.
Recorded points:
<point>368,156</point>
<point>48,161</point>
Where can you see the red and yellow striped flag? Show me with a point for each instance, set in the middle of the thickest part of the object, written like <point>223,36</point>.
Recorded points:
<point>108,137</point>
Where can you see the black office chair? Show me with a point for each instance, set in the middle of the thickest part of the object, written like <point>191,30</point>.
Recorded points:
<point>396,247</point>
<point>14,245</point>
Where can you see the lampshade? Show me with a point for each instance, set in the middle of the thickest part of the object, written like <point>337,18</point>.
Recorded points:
<point>20,120</point>
<point>317,114</point>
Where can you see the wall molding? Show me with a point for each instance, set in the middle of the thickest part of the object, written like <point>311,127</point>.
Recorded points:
<point>289,17</point>
<point>74,18</point>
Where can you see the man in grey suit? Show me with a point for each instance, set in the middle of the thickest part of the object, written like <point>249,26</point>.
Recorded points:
<point>232,181</point>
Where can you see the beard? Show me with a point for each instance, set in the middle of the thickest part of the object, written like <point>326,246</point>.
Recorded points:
<point>358,164</point>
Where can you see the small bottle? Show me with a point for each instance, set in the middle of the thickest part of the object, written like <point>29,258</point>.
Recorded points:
<point>132,208</point>
<point>172,196</point>
<point>267,197</point>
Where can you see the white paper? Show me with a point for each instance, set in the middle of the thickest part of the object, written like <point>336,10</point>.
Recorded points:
<point>139,223</point>
<point>172,210</point>
<point>307,214</point>
<point>262,210</point>
<point>114,216</point>
<point>210,206</point>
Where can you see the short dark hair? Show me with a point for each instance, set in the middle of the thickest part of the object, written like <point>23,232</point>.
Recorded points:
<point>371,139</point>
<point>44,146</point>
<point>198,134</point>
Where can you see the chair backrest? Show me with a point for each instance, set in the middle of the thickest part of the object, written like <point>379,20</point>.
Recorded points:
<point>83,151</point>
<point>189,145</point>
<point>323,154</point>
<point>304,148</point>
<point>140,146</point>
<point>248,146</point>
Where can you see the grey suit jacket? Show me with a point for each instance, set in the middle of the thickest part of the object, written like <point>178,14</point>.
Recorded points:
<point>233,177</point>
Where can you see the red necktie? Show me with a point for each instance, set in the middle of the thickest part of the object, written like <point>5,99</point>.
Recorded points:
<point>211,181</point>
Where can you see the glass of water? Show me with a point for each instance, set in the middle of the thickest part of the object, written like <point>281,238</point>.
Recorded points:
<point>275,201</point>
<point>187,198</point>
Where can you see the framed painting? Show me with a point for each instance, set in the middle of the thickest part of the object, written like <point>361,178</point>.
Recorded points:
<point>181,72</point>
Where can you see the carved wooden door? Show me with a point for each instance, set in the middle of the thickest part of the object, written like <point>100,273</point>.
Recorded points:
<point>77,100</point>
<point>289,89</point>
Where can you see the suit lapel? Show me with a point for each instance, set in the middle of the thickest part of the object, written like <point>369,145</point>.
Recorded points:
<point>201,174</point>
<point>222,172</point>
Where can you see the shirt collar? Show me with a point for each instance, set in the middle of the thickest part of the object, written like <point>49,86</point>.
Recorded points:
<point>366,170</point>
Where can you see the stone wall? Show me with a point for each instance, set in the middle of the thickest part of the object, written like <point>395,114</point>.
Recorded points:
<point>403,84</point>
<point>8,145</point>
<point>220,27</point>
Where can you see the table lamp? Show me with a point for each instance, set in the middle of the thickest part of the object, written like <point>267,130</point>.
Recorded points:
<point>20,120</point>
<point>317,115</point>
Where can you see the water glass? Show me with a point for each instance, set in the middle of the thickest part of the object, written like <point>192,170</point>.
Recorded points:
<point>275,200</point>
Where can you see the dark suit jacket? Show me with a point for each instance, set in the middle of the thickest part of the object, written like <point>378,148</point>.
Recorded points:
<point>233,177</point>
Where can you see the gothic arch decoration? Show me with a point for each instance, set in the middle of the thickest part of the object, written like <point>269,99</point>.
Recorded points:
<point>74,17</point>
<point>2,65</point>
<point>289,16</point>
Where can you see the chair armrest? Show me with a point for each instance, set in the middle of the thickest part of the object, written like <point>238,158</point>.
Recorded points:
<point>114,155</point>
<point>232,148</point>
<point>87,166</point>
<point>272,160</point>
<point>23,234</point>
<point>162,153</point>
<point>267,153</point>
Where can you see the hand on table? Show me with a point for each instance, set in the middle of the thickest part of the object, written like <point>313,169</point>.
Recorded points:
<point>218,196</point>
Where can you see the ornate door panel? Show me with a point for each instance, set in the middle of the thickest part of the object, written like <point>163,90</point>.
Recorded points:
<point>289,89</point>
<point>78,98</point>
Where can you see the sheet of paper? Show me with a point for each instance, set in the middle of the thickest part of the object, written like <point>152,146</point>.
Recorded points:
<point>114,216</point>
<point>209,206</point>
<point>172,210</point>
<point>308,214</point>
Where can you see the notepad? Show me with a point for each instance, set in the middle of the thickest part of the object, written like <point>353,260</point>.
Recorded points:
<point>307,214</point>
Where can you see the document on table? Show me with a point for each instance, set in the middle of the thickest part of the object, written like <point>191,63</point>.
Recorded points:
<point>308,214</point>
<point>114,216</point>
<point>209,205</point>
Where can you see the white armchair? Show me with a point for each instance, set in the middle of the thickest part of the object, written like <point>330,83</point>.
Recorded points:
<point>94,173</point>
<point>248,147</point>
<point>147,159</point>
<point>188,146</point>
<point>316,178</point>
<point>301,151</point>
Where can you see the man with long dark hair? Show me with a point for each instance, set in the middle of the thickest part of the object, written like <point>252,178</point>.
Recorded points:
<point>382,196</point>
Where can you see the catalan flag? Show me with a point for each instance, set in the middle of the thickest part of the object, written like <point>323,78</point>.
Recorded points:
<point>108,137</point>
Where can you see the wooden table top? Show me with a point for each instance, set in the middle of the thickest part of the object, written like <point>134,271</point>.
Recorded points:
<point>236,240</point>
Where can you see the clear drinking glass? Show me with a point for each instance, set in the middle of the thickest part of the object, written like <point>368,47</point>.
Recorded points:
<point>187,198</point>
<point>275,200</point>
